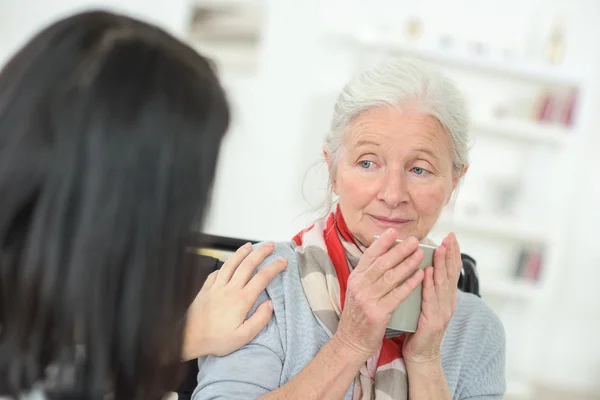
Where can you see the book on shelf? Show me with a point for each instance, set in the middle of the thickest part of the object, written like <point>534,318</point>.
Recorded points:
<point>529,265</point>
<point>556,107</point>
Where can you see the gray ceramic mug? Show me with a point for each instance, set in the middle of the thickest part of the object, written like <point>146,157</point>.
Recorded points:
<point>406,316</point>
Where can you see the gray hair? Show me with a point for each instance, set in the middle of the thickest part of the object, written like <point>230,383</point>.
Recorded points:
<point>402,82</point>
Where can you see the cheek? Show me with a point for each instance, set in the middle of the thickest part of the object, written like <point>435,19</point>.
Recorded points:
<point>354,190</point>
<point>430,200</point>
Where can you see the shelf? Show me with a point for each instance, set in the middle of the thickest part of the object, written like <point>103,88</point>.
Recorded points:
<point>522,70</point>
<point>537,132</point>
<point>519,390</point>
<point>514,289</point>
<point>214,4</point>
<point>493,227</point>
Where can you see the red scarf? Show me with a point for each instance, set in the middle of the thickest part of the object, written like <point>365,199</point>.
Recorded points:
<point>333,236</point>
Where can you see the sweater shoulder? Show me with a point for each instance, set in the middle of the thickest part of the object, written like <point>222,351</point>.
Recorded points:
<point>473,314</point>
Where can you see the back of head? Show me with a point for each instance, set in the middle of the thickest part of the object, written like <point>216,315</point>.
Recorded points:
<point>109,135</point>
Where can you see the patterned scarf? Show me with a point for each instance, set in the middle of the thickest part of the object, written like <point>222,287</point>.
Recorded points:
<point>327,253</point>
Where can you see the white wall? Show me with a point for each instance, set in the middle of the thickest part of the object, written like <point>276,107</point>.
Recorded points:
<point>258,192</point>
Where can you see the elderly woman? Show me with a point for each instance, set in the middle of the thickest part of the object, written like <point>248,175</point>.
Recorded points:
<point>397,149</point>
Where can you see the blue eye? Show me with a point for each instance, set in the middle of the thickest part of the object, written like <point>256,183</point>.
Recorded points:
<point>366,164</point>
<point>418,170</point>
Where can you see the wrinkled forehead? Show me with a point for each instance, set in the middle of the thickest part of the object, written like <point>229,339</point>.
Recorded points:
<point>393,128</point>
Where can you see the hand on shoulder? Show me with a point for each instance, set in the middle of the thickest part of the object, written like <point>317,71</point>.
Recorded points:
<point>216,321</point>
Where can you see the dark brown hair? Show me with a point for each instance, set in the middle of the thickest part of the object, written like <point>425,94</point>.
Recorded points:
<point>110,130</point>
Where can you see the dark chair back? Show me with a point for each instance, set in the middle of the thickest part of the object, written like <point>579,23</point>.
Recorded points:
<point>468,281</point>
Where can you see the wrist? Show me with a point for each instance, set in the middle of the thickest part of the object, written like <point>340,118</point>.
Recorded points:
<point>426,357</point>
<point>346,351</point>
<point>194,347</point>
<point>427,380</point>
<point>192,354</point>
<point>430,369</point>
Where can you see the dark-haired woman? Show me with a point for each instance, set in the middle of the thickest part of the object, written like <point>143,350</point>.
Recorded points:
<point>110,130</point>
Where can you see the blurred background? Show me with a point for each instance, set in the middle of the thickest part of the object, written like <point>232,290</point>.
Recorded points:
<point>529,208</point>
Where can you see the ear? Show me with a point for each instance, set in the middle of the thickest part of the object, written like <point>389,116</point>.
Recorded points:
<point>456,180</point>
<point>329,159</point>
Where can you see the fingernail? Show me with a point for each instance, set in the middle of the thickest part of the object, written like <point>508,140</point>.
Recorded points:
<point>270,304</point>
<point>248,246</point>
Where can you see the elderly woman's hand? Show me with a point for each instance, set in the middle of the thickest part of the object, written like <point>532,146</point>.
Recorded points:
<point>373,292</point>
<point>216,321</point>
<point>438,305</point>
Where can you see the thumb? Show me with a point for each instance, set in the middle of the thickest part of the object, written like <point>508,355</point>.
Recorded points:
<point>253,325</point>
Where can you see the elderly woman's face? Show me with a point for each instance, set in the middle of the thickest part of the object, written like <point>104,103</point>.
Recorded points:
<point>394,171</point>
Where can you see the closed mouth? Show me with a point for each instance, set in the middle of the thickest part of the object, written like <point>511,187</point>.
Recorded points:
<point>390,221</point>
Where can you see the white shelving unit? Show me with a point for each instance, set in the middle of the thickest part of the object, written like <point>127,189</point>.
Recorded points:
<point>495,228</point>
<point>519,390</point>
<point>489,65</point>
<point>512,289</point>
<point>542,133</point>
<point>226,3</point>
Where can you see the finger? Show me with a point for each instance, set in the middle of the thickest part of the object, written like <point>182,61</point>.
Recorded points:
<point>378,248</point>
<point>393,299</point>
<point>443,290</point>
<point>209,282</point>
<point>452,301</point>
<point>455,275</point>
<point>431,304</point>
<point>261,280</point>
<point>394,257</point>
<point>440,276</point>
<point>396,275</point>
<point>253,325</point>
<point>450,259</point>
<point>457,260</point>
<point>227,270</point>
<point>245,270</point>
<point>429,295</point>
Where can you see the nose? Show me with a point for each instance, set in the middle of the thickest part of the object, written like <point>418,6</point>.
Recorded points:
<point>394,188</point>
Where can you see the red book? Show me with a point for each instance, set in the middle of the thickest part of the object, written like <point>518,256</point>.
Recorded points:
<point>569,109</point>
<point>547,108</point>
<point>533,267</point>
